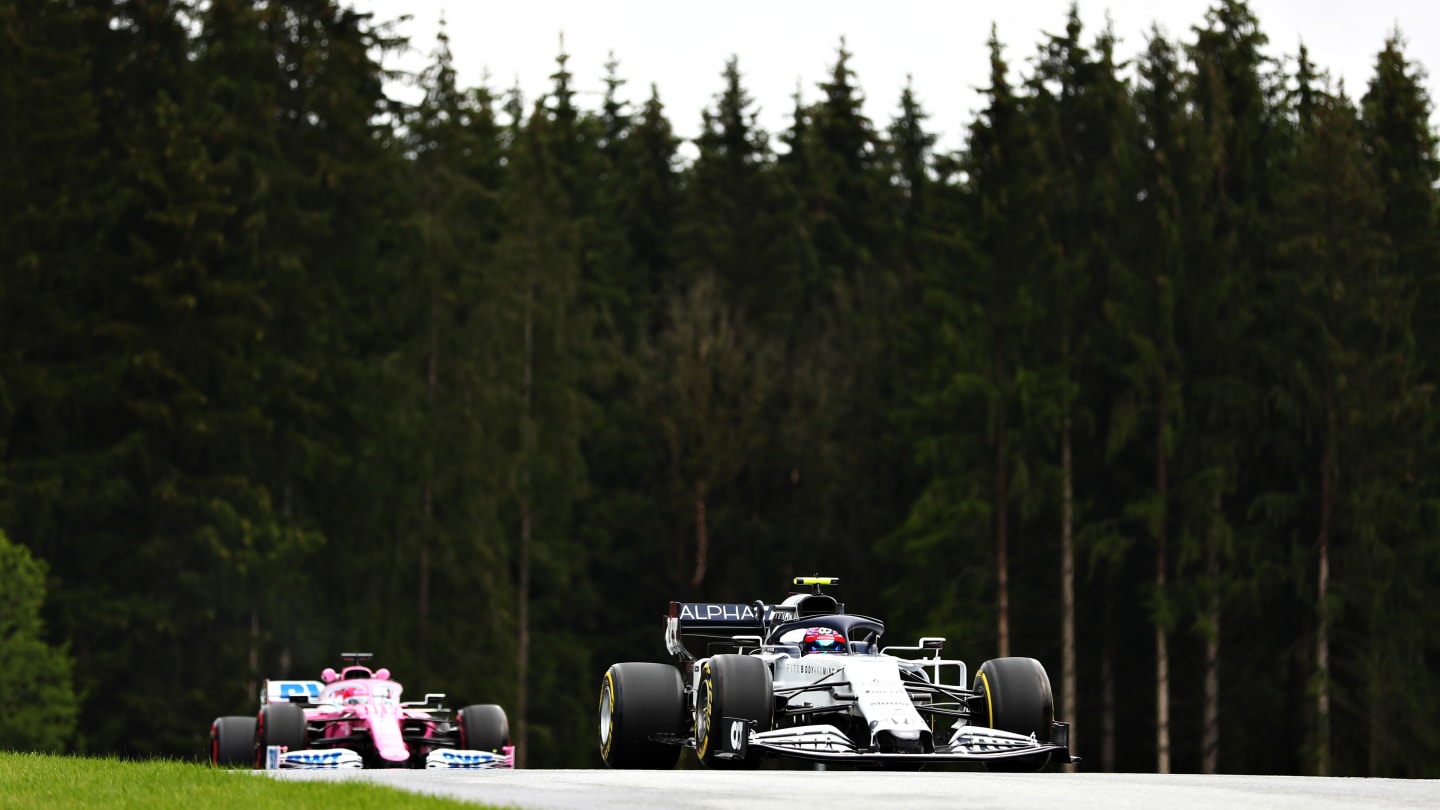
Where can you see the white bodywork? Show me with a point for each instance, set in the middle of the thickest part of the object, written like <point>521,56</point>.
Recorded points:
<point>871,681</point>
<point>871,686</point>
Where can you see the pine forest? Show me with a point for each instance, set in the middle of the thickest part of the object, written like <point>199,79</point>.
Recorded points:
<point>1140,381</point>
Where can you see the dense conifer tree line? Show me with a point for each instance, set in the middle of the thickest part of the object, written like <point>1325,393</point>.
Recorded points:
<point>1140,382</point>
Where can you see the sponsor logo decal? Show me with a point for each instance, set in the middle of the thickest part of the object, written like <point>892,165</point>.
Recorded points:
<point>284,690</point>
<point>464,759</point>
<point>319,760</point>
<point>313,759</point>
<point>719,612</point>
<point>824,668</point>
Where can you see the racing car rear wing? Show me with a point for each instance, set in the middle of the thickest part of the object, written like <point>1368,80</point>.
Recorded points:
<point>732,623</point>
<point>722,620</point>
<point>289,692</point>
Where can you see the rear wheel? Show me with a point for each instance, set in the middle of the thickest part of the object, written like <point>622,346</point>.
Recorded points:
<point>232,741</point>
<point>484,727</point>
<point>638,702</point>
<point>1017,699</point>
<point>280,724</point>
<point>736,686</point>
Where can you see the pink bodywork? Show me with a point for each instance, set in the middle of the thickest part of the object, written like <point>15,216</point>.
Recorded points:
<point>350,706</point>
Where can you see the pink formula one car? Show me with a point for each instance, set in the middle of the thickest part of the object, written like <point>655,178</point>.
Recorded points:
<point>354,719</point>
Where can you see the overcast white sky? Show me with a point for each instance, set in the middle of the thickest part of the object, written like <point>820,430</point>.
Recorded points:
<point>681,45</point>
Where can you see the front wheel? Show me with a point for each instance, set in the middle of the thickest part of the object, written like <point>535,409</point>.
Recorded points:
<point>1017,699</point>
<point>484,727</point>
<point>638,702</point>
<point>280,724</point>
<point>735,686</point>
<point>232,741</point>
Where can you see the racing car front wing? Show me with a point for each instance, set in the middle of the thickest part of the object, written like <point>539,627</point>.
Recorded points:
<point>450,758</point>
<point>823,743</point>
<point>314,759</point>
<point>331,759</point>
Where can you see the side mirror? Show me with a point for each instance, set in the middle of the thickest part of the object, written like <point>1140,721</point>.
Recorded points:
<point>329,675</point>
<point>932,642</point>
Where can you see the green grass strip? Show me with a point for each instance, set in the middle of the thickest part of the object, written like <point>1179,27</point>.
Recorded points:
<point>45,782</point>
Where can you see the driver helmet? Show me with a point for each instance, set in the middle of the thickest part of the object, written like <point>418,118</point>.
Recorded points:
<point>822,640</point>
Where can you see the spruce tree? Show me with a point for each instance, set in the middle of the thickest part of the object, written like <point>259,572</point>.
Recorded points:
<point>1329,288</point>
<point>1003,164</point>
<point>844,217</point>
<point>1088,129</point>
<point>1227,259</point>
<point>1395,114</point>
<point>1141,311</point>
<point>441,441</point>
<point>1394,543</point>
<point>725,226</point>
<point>553,307</point>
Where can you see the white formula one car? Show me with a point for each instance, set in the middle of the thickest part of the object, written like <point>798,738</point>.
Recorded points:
<point>803,679</point>
<point>354,718</point>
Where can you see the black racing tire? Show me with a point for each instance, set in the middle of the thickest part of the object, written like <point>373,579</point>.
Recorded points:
<point>1017,699</point>
<point>737,686</point>
<point>483,727</point>
<point>639,701</point>
<point>232,741</point>
<point>279,724</point>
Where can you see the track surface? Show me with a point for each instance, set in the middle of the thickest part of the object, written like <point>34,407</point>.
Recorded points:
<point>855,790</point>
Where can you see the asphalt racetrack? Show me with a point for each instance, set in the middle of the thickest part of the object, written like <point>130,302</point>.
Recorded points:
<point>861,790</point>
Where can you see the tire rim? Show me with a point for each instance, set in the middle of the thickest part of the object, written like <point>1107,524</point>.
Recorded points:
<point>607,714</point>
<point>702,724</point>
<point>989,701</point>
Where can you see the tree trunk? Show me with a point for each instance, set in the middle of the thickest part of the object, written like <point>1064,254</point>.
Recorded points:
<point>1379,751</point>
<point>522,724</point>
<point>702,538</point>
<point>1322,591</point>
<point>1210,734</point>
<point>253,684</point>
<point>431,383</point>
<point>1002,562</point>
<point>1162,651</point>
<point>1067,585</point>
<point>1107,689</point>
<point>1162,701</point>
